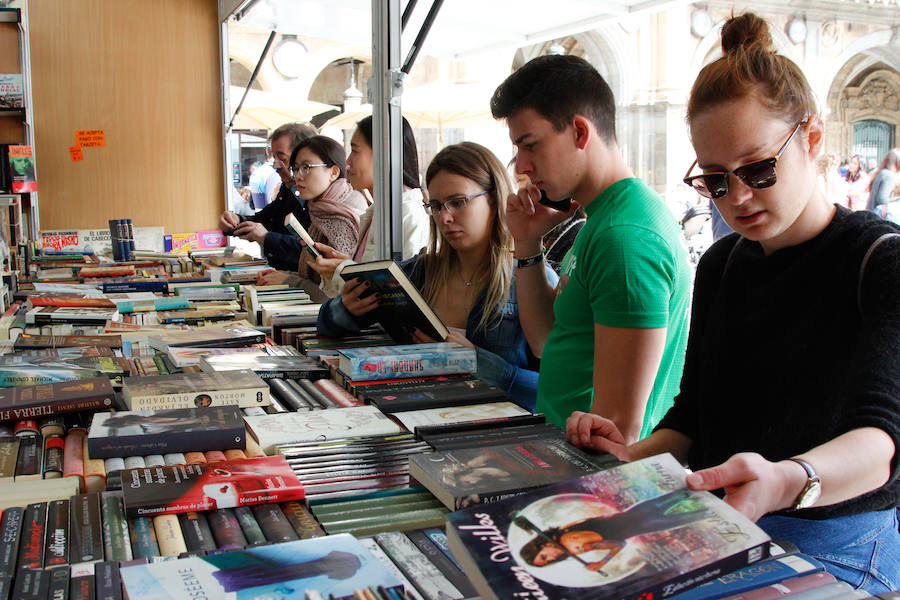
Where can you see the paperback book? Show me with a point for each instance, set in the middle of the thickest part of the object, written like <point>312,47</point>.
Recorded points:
<point>335,566</point>
<point>632,531</point>
<point>188,390</point>
<point>453,415</point>
<point>143,432</point>
<point>266,366</point>
<point>413,360</point>
<point>319,425</point>
<point>401,308</point>
<point>173,489</point>
<point>447,393</point>
<point>467,476</point>
<point>208,337</point>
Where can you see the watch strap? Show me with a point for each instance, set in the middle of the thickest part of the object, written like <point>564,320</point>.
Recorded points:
<point>531,260</point>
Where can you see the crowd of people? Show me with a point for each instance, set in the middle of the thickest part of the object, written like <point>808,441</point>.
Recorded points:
<point>782,389</point>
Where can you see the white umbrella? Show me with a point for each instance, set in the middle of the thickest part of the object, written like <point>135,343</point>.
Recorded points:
<point>265,110</point>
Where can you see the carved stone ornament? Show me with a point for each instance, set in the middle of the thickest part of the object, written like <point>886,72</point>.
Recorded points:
<point>876,95</point>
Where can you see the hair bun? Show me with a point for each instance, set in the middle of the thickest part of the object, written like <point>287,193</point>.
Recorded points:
<point>745,32</point>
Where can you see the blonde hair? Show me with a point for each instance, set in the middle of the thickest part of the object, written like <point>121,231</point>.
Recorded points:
<point>750,66</point>
<point>477,163</point>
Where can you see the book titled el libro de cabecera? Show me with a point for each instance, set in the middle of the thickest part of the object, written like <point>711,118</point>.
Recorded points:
<point>413,360</point>
<point>164,490</point>
<point>628,532</point>
<point>334,566</point>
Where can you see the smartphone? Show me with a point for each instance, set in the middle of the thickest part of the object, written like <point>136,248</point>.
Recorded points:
<point>563,205</point>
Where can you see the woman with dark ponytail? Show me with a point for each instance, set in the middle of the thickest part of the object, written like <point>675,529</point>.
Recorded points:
<point>790,398</point>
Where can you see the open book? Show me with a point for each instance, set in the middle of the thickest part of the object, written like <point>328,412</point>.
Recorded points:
<point>299,232</point>
<point>401,309</point>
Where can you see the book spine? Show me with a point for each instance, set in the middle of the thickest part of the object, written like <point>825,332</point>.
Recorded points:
<point>425,576</point>
<point>195,529</point>
<point>10,535</point>
<point>73,455</point>
<point>225,528</point>
<point>154,460</point>
<point>31,546</point>
<point>28,463</point>
<point>31,584</point>
<point>107,581</point>
<point>58,588</point>
<point>235,454</point>
<point>249,526</point>
<point>56,542</point>
<point>195,458</point>
<point>114,240</point>
<point>143,538</point>
<point>168,535</point>
<point>680,583</point>
<point>134,462</point>
<point>175,458</point>
<point>214,456</point>
<point>241,398</point>
<point>86,529</point>
<point>9,456</point>
<point>789,587</point>
<point>447,568</point>
<point>318,395</point>
<point>286,394</point>
<point>116,539</point>
<point>81,582</point>
<point>54,451</point>
<point>253,449</point>
<point>373,367</point>
<point>274,524</point>
<point>340,396</point>
<point>303,521</point>
<point>94,471</point>
<point>419,519</point>
<point>57,407</point>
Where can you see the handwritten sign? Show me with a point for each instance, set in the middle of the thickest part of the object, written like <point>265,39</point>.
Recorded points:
<point>90,138</point>
<point>76,153</point>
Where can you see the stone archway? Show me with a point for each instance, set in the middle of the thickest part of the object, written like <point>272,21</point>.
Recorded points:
<point>862,90</point>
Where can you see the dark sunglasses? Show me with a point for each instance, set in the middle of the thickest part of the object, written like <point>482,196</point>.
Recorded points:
<point>757,174</point>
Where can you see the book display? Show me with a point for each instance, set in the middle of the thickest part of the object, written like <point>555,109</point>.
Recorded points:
<point>209,455</point>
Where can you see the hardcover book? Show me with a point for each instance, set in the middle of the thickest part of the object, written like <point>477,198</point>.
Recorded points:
<point>200,390</point>
<point>29,342</point>
<point>470,413</point>
<point>413,360</point>
<point>401,308</point>
<point>142,432</point>
<point>34,401</point>
<point>632,531</point>
<point>286,428</point>
<point>467,476</point>
<point>183,357</point>
<point>225,484</point>
<point>335,566</point>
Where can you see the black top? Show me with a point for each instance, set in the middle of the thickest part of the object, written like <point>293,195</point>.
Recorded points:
<point>780,360</point>
<point>280,248</point>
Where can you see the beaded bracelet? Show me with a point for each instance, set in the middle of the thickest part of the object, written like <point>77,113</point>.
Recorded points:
<point>531,260</point>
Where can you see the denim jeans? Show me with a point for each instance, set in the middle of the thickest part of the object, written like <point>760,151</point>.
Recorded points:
<point>863,549</point>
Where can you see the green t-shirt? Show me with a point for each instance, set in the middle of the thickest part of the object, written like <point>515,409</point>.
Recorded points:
<point>627,268</point>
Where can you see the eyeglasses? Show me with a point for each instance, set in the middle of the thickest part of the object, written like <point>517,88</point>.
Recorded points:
<point>303,170</point>
<point>453,204</point>
<point>757,174</point>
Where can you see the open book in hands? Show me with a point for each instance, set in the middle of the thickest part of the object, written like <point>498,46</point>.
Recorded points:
<point>299,232</point>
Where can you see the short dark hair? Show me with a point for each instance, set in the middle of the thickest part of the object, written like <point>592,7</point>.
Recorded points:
<point>410,152</point>
<point>325,148</point>
<point>297,131</point>
<point>558,88</point>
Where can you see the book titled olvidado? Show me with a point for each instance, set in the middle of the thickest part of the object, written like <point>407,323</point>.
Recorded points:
<point>321,425</point>
<point>412,360</point>
<point>632,531</point>
<point>242,388</point>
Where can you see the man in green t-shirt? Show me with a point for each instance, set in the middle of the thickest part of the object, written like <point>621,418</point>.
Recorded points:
<point>612,334</point>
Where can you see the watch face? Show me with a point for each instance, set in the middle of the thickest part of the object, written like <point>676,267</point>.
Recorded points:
<point>809,495</point>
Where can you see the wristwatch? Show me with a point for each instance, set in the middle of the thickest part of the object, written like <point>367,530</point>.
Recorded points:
<point>813,488</point>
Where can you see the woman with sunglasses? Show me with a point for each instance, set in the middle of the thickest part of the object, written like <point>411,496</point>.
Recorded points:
<point>465,274</point>
<point>318,166</point>
<point>790,397</point>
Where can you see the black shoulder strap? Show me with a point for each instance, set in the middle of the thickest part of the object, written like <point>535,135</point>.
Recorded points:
<point>865,261</point>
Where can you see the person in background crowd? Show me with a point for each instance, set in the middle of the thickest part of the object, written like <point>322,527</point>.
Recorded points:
<point>831,183</point>
<point>805,439</point>
<point>881,189</point>
<point>858,184</point>
<point>266,227</point>
<point>871,165</point>
<point>611,336</point>
<point>465,274</point>
<point>361,176</point>
<point>259,172</point>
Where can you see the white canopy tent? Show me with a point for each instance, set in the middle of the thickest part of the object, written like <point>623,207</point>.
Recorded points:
<point>456,29</point>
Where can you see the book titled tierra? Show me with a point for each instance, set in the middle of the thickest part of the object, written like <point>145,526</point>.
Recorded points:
<point>628,532</point>
<point>401,308</point>
<point>467,476</point>
<point>30,402</point>
<point>189,390</point>
<point>143,432</point>
<point>164,490</point>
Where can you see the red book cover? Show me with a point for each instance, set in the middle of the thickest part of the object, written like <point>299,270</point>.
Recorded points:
<point>184,488</point>
<point>66,301</point>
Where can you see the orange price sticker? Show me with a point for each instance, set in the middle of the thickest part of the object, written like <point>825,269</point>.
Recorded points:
<point>76,153</point>
<point>90,138</point>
